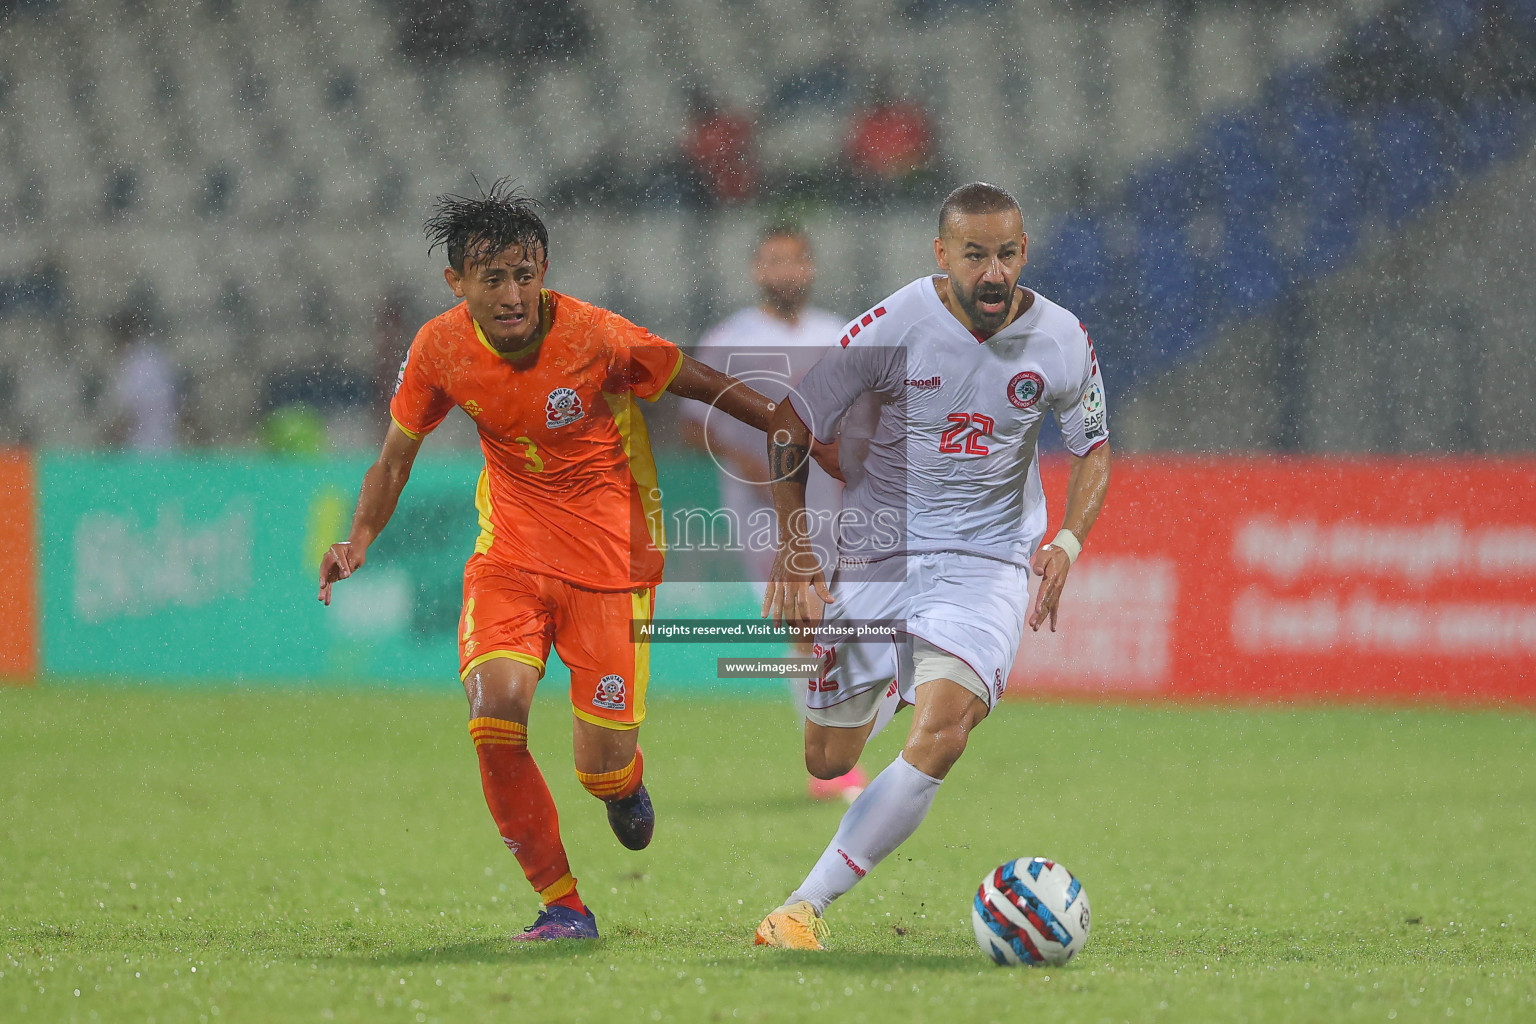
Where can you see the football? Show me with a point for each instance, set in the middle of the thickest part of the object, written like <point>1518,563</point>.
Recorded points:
<point>1030,911</point>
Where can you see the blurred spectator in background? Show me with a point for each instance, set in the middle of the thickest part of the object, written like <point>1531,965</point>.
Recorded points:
<point>298,399</point>
<point>392,334</point>
<point>890,144</point>
<point>719,147</point>
<point>771,346</point>
<point>295,430</point>
<point>143,394</point>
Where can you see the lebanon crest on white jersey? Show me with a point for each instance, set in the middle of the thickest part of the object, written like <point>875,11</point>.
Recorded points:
<point>1030,912</point>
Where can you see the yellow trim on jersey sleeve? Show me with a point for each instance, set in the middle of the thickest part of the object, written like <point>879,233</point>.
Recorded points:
<point>654,395</point>
<point>642,464</point>
<point>526,659</point>
<point>407,431</point>
<point>483,506</point>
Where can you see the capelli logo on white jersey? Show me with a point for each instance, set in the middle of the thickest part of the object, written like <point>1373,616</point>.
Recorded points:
<point>926,383</point>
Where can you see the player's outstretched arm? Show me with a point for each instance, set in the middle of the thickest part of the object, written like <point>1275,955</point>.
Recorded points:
<point>797,590</point>
<point>703,383</point>
<point>1087,485</point>
<point>376,502</point>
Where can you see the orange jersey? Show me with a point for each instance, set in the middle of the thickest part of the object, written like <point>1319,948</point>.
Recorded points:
<point>569,486</point>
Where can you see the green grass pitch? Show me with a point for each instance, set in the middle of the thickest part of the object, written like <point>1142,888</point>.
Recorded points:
<point>244,855</point>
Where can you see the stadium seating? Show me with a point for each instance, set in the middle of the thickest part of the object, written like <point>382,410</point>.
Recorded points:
<point>1290,181</point>
<point>257,171</point>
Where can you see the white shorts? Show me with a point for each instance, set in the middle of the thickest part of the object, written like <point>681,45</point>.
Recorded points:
<point>965,606</point>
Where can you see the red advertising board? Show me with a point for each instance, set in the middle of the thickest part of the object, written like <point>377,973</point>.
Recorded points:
<point>18,591</point>
<point>1299,578</point>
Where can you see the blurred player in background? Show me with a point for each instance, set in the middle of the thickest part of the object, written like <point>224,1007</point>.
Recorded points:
<point>771,346</point>
<point>567,502</point>
<point>969,363</point>
<point>143,395</point>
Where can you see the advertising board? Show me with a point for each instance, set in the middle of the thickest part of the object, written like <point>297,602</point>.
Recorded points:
<point>1233,579</point>
<point>1262,579</point>
<point>18,580</point>
<point>203,569</point>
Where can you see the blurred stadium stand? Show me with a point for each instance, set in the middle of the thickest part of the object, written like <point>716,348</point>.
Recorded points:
<point>252,176</point>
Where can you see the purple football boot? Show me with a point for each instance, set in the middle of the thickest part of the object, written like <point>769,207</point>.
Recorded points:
<point>557,922</point>
<point>633,819</point>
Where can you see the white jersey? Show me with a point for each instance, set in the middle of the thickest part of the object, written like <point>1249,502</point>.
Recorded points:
<point>767,352</point>
<point>771,356</point>
<point>952,464</point>
<point>145,393</point>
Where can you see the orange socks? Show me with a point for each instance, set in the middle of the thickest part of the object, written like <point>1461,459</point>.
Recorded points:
<point>614,785</point>
<point>524,811</point>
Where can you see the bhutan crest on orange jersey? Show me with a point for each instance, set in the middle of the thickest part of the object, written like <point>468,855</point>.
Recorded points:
<point>562,408</point>
<point>610,693</point>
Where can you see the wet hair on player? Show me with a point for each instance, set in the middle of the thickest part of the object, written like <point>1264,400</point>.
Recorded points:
<point>473,228</point>
<point>977,197</point>
<point>783,229</point>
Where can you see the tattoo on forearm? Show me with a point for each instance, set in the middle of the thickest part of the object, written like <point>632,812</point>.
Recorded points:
<point>789,461</point>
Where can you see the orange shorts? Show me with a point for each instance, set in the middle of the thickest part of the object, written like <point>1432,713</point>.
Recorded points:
<point>511,613</point>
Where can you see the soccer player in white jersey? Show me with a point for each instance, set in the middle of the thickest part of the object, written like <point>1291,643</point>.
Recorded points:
<point>942,531</point>
<point>770,346</point>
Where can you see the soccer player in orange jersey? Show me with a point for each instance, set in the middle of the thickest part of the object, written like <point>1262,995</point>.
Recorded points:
<point>571,545</point>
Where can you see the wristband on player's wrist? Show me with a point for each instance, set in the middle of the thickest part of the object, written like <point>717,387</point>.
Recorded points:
<point>1067,541</point>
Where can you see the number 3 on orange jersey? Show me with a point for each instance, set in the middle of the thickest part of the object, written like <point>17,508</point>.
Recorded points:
<point>535,463</point>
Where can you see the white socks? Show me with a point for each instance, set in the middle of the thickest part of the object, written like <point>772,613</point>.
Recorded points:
<point>885,814</point>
